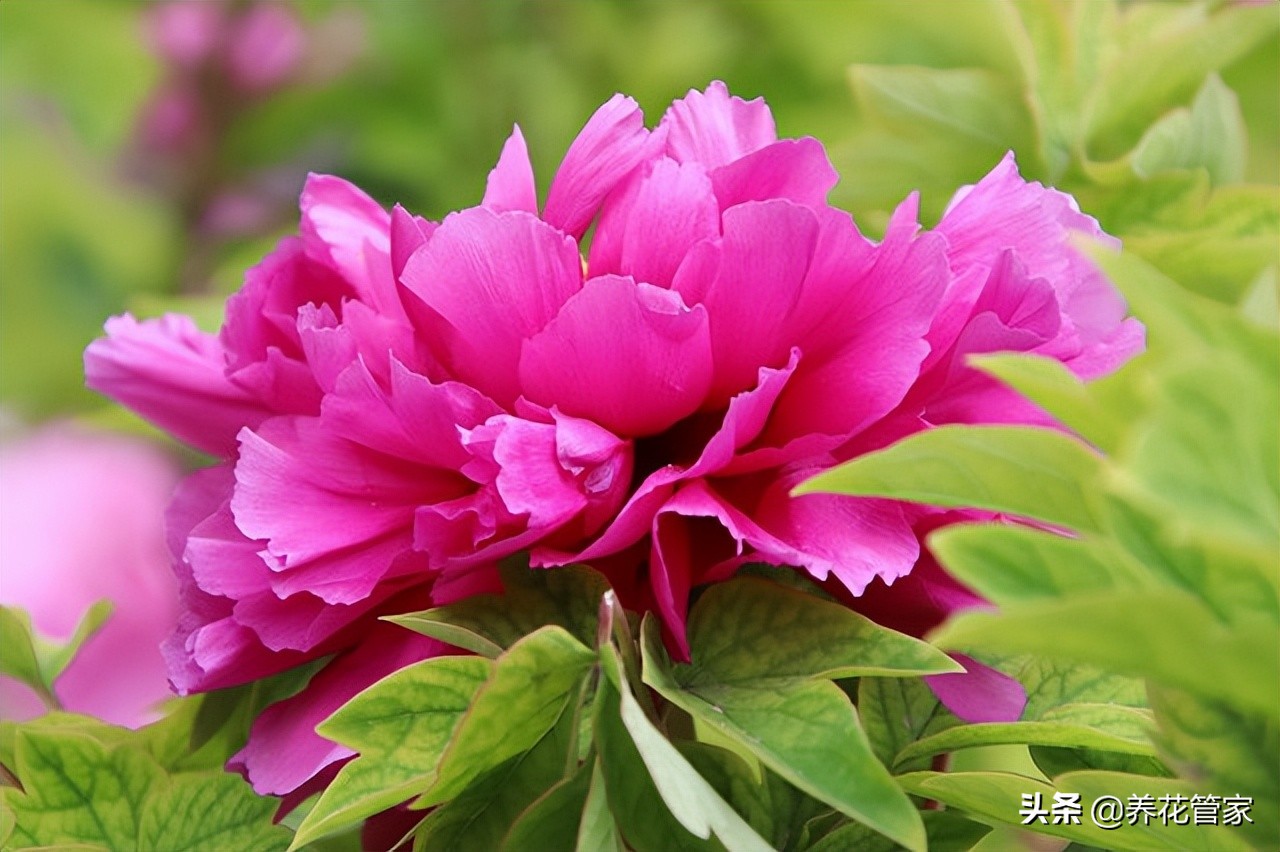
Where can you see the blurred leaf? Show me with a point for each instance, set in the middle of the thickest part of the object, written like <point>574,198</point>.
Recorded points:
<point>1209,135</point>
<point>36,661</point>
<point>986,467</point>
<point>76,790</point>
<point>1163,634</point>
<point>532,597</point>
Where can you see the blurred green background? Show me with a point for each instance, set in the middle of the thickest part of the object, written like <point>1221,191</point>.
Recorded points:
<point>412,100</point>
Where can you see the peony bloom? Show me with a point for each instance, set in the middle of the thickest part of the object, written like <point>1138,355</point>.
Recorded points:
<point>81,523</point>
<point>398,403</point>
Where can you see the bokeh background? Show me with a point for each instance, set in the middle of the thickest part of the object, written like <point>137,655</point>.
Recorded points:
<point>151,152</point>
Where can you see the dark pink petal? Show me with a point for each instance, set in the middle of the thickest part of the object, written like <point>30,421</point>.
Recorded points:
<point>765,255</point>
<point>341,225</point>
<point>630,357</point>
<point>613,142</point>
<point>284,750</point>
<point>172,374</point>
<point>493,280</point>
<point>794,169</point>
<point>510,185</point>
<point>852,539</point>
<point>715,128</point>
<point>980,693</point>
<point>673,209</point>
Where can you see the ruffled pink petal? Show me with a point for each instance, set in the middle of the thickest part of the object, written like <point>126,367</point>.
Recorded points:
<point>1108,354</point>
<point>794,169</point>
<point>715,128</point>
<point>630,357</point>
<point>408,234</point>
<point>510,185</point>
<point>980,693</point>
<point>172,374</point>
<point>493,280</point>
<point>341,226</point>
<point>309,493</point>
<point>284,750</point>
<point>613,142</point>
<point>765,255</point>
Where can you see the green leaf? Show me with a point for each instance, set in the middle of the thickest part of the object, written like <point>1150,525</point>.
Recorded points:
<point>1223,749</point>
<point>487,624</point>
<point>1163,634</point>
<point>985,467</point>
<point>524,695</point>
<point>37,661</point>
<point>482,814</point>
<point>77,790</point>
<point>400,726</point>
<point>1059,761</point>
<point>598,832</point>
<point>948,831</point>
<point>1210,135</point>
<point>748,630</point>
<point>896,712</point>
<point>996,797</point>
<point>553,819</point>
<point>1011,564</point>
<point>690,799</point>
<point>805,730</point>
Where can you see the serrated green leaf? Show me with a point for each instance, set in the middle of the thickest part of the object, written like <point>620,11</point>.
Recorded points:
<point>985,467</point>
<point>691,800</point>
<point>400,726</point>
<point>524,695</point>
<point>1010,564</point>
<point>804,730</point>
<point>482,814</point>
<point>1163,634</point>
<point>77,790</point>
<point>749,630</point>
<point>552,820</point>
<point>487,624</point>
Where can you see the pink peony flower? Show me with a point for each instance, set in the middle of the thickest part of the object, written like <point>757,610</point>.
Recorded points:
<point>399,403</point>
<point>81,523</point>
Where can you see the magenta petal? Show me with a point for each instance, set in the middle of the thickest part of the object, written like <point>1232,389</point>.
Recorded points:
<point>980,693</point>
<point>765,254</point>
<point>715,128</point>
<point>284,750</point>
<point>494,280</point>
<point>613,142</point>
<point>510,185</point>
<point>631,357</point>
<point>673,209</point>
<point>172,374</point>
<point>794,169</point>
<point>341,225</point>
<point>408,234</point>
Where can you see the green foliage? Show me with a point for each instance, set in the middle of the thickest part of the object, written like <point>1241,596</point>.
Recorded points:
<point>94,787</point>
<point>37,661</point>
<point>1170,575</point>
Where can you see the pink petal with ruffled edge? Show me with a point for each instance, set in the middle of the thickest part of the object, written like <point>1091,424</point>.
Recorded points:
<point>494,280</point>
<point>630,357</point>
<point>673,209</point>
<point>172,374</point>
<point>510,185</point>
<point>613,142</point>
<point>348,231</point>
<point>794,169</point>
<point>715,128</point>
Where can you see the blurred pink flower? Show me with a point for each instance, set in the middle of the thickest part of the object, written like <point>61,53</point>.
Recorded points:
<point>81,522</point>
<point>400,403</point>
